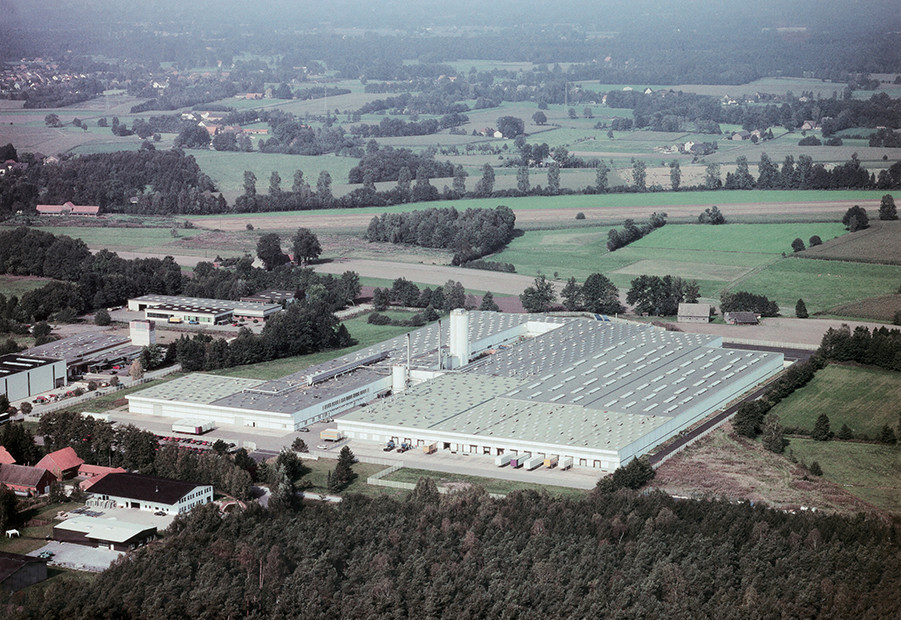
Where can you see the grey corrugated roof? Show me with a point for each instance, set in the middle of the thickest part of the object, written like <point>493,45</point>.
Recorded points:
<point>75,348</point>
<point>204,302</point>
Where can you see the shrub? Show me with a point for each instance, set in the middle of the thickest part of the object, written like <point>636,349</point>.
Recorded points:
<point>814,240</point>
<point>580,216</point>
<point>815,469</point>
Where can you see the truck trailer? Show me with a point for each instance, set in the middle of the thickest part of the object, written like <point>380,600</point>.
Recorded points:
<point>533,462</point>
<point>551,461</point>
<point>565,462</point>
<point>502,459</point>
<point>193,427</point>
<point>519,460</point>
<point>431,448</point>
<point>331,434</point>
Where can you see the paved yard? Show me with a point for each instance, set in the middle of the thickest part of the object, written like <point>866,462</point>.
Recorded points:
<point>79,557</point>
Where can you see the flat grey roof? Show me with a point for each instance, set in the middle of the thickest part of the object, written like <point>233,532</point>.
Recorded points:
<point>17,362</point>
<point>76,348</point>
<point>298,399</point>
<point>198,388</point>
<point>203,302</point>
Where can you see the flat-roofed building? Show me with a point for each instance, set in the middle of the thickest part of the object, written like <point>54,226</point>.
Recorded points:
<point>200,310</point>
<point>106,532</point>
<point>88,352</point>
<point>22,375</point>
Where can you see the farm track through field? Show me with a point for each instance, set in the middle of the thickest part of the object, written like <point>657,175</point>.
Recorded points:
<point>347,220</point>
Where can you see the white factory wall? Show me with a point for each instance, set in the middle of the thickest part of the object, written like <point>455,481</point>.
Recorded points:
<point>606,460</point>
<point>256,418</point>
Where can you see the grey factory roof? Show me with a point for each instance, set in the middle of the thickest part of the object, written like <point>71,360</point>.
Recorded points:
<point>202,302</point>
<point>578,342</point>
<point>198,388</point>
<point>16,362</point>
<point>299,398</point>
<point>77,348</point>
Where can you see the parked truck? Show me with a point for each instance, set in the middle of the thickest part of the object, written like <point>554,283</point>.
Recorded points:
<point>430,448</point>
<point>551,461</point>
<point>193,427</point>
<point>331,434</point>
<point>533,462</point>
<point>502,459</point>
<point>519,460</point>
<point>565,462</point>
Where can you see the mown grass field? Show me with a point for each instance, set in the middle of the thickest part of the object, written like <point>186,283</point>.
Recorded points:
<point>19,285</point>
<point>492,485</point>
<point>156,239</point>
<point>363,332</point>
<point>714,255</point>
<point>863,398</point>
<point>869,471</point>
<point>823,285</point>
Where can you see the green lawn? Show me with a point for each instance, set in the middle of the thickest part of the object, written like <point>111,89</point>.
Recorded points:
<point>864,398</point>
<point>227,169</point>
<point>871,472</point>
<point>317,476</point>
<point>714,255</point>
<point>821,284</point>
<point>128,239</point>
<point>19,285</point>
<point>492,485</point>
<point>363,332</point>
<point>34,537</point>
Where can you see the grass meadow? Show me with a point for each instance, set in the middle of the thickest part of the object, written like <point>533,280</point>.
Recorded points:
<point>492,485</point>
<point>822,285</point>
<point>869,471</point>
<point>19,285</point>
<point>716,256</point>
<point>862,397</point>
<point>363,332</point>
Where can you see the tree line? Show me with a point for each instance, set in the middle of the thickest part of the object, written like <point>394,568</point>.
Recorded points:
<point>468,555</point>
<point>472,234</point>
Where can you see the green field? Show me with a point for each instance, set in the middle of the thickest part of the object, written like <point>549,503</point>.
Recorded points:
<point>611,201</point>
<point>157,240</point>
<point>492,485</point>
<point>227,169</point>
<point>714,255</point>
<point>864,398</point>
<point>869,471</point>
<point>317,476</point>
<point>363,332</point>
<point>19,285</point>
<point>821,284</point>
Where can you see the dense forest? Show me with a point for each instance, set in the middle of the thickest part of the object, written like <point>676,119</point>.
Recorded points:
<point>469,556</point>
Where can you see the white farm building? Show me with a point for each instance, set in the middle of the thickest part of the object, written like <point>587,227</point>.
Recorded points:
<point>600,392</point>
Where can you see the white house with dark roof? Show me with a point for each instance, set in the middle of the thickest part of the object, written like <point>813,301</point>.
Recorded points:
<point>126,490</point>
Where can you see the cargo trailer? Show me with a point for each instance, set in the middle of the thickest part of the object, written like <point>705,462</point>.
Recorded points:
<point>533,462</point>
<point>519,460</point>
<point>551,461</point>
<point>193,427</point>
<point>566,462</point>
<point>431,448</point>
<point>331,434</point>
<point>502,459</point>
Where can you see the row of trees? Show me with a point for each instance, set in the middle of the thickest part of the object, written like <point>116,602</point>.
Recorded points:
<point>743,301</point>
<point>661,296</point>
<point>881,347</point>
<point>630,232</point>
<point>405,293</point>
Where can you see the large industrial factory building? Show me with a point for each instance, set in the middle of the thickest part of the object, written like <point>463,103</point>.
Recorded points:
<point>599,392</point>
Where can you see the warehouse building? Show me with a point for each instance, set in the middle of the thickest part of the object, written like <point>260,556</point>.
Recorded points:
<point>23,375</point>
<point>88,352</point>
<point>600,392</point>
<point>200,310</point>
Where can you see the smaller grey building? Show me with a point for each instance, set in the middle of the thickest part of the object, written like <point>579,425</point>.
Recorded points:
<point>694,313</point>
<point>22,376</point>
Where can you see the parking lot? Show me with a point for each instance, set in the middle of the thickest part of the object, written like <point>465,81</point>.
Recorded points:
<point>79,557</point>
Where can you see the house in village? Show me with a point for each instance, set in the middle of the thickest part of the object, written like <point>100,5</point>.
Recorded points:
<point>63,464</point>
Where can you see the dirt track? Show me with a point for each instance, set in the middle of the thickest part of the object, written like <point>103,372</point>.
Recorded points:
<point>344,220</point>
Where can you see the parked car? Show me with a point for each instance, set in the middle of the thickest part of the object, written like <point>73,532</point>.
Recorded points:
<point>304,429</point>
